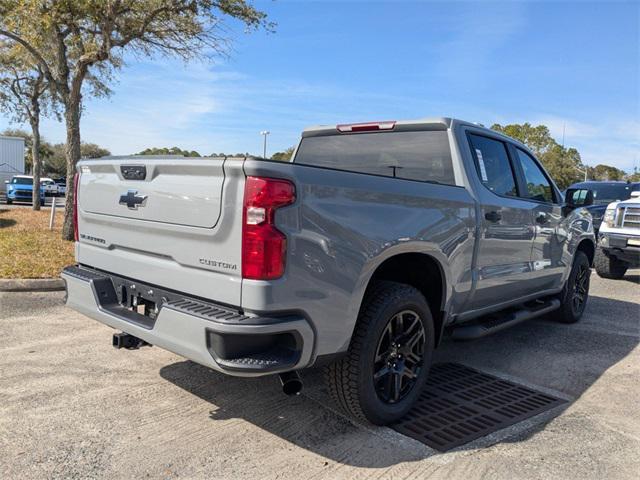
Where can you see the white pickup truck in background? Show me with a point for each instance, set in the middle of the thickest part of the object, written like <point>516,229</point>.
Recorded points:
<point>619,238</point>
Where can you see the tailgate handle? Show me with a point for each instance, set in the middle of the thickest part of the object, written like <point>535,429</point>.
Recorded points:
<point>133,172</point>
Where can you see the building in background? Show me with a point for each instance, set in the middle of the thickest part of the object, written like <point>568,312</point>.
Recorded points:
<point>11,158</point>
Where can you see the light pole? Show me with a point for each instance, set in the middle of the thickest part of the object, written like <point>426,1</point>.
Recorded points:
<point>264,133</point>
<point>586,167</point>
<point>585,171</point>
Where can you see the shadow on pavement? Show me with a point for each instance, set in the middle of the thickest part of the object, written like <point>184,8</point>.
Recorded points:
<point>6,222</point>
<point>632,278</point>
<point>301,421</point>
<point>566,358</point>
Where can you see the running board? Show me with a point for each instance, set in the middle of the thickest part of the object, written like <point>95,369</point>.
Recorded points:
<point>503,320</point>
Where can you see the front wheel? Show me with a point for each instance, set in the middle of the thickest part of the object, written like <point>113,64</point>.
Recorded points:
<point>608,266</point>
<point>574,296</point>
<point>9,202</point>
<point>389,358</point>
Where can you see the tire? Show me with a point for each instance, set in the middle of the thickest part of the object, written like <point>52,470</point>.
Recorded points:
<point>389,308</point>
<point>574,296</point>
<point>608,266</point>
<point>9,202</point>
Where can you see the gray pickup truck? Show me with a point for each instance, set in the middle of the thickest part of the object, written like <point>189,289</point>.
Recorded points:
<point>359,255</point>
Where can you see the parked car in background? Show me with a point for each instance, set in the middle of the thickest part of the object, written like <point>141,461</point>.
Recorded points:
<point>603,194</point>
<point>20,189</point>
<point>49,186</point>
<point>61,182</point>
<point>619,238</point>
<point>358,254</point>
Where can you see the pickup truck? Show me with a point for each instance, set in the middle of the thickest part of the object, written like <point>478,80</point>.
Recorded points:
<point>360,254</point>
<point>619,238</point>
<point>604,193</point>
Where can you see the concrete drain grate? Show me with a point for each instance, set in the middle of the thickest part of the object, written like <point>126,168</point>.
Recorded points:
<point>460,404</point>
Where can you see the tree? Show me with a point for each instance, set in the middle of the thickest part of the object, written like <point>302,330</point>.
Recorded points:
<point>633,177</point>
<point>283,156</point>
<point>564,165</point>
<point>537,138</point>
<point>169,151</point>
<point>24,96</point>
<point>91,150</point>
<point>57,163</point>
<point>80,42</point>
<point>605,172</point>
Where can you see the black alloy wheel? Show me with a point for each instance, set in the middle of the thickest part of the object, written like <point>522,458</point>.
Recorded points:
<point>575,294</point>
<point>581,289</point>
<point>399,356</point>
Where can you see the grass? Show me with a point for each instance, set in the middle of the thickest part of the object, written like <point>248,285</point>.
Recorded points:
<point>28,249</point>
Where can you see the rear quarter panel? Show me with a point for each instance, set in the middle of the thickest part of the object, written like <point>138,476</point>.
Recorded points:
<point>342,227</point>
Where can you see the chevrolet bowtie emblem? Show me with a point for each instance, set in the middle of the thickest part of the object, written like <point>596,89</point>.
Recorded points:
<point>132,200</point>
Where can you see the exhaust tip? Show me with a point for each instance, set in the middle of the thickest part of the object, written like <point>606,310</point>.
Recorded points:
<point>291,383</point>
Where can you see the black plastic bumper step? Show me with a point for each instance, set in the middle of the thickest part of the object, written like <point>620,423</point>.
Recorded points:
<point>275,358</point>
<point>460,404</point>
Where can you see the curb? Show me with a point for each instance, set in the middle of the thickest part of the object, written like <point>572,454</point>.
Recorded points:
<point>32,285</point>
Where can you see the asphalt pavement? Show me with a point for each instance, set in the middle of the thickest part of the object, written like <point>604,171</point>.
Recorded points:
<point>73,407</point>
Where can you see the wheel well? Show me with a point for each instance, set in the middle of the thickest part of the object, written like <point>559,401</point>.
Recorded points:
<point>588,248</point>
<point>422,272</point>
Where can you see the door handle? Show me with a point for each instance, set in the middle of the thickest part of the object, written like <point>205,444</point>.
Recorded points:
<point>493,216</point>
<point>542,218</point>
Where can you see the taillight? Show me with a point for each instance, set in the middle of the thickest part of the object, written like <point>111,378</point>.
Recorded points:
<point>264,247</point>
<point>76,180</point>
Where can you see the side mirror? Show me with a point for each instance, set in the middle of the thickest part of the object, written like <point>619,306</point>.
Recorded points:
<point>576,198</point>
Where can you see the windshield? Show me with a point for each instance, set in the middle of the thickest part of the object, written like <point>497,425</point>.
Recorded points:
<point>22,181</point>
<point>610,193</point>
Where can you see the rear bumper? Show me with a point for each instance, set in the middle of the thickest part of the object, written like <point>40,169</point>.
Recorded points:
<point>209,334</point>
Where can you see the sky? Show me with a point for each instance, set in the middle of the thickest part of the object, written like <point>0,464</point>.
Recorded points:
<point>573,66</point>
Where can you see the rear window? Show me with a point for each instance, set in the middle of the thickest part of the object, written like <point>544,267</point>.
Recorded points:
<point>423,155</point>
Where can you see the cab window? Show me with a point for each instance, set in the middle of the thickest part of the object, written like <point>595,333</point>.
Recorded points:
<point>493,165</point>
<point>538,185</point>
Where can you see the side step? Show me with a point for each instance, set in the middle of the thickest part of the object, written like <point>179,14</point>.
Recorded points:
<point>503,320</point>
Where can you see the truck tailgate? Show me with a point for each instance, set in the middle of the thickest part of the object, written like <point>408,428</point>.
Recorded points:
<point>164,226</point>
<point>180,194</point>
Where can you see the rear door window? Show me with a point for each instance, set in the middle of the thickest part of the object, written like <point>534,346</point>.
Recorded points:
<point>419,155</point>
<point>493,165</point>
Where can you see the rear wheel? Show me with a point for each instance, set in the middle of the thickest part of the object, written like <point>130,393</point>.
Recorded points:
<point>9,202</point>
<point>608,266</point>
<point>574,296</point>
<point>388,360</point>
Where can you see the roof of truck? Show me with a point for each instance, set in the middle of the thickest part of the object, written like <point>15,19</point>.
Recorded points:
<point>433,123</point>
<point>437,123</point>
